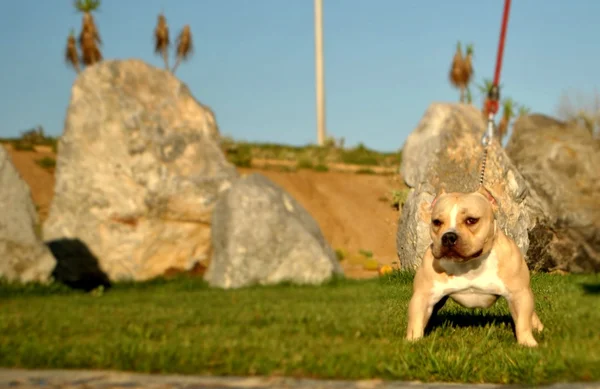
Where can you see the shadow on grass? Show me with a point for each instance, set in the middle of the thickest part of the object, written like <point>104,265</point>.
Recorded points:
<point>76,266</point>
<point>467,319</point>
<point>591,288</point>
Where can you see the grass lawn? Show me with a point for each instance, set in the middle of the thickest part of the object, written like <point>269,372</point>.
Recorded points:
<point>345,329</point>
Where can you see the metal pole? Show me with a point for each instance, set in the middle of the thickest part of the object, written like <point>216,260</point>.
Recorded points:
<point>319,72</point>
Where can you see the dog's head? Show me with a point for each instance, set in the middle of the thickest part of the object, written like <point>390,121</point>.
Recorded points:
<point>463,226</point>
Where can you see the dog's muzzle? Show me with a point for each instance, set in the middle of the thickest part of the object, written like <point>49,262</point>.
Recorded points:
<point>449,239</point>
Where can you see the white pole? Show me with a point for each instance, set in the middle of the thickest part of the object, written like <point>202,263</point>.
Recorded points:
<point>319,72</point>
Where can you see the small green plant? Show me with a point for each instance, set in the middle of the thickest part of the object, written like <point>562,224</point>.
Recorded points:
<point>46,162</point>
<point>54,145</point>
<point>370,264</point>
<point>285,169</point>
<point>523,111</point>
<point>304,163</point>
<point>399,198</point>
<point>240,155</point>
<point>360,155</point>
<point>97,292</point>
<point>365,170</point>
<point>340,254</point>
<point>329,142</point>
<point>321,168</point>
<point>366,253</point>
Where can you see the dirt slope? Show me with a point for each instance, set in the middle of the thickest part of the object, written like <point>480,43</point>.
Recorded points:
<point>40,180</point>
<point>353,210</point>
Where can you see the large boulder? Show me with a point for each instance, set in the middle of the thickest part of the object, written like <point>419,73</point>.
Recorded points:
<point>261,235</point>
<point>137,175</point>
<point>561,162</point>
<point>445,151</point>
<point>23,255</point>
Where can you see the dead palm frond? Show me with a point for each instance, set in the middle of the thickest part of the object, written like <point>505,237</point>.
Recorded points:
<point>90,53</point>
<point>161,39</point>
<point>88,25</point>
<point>457,71</point>
<point>184,46</point>
<point>71,54</point>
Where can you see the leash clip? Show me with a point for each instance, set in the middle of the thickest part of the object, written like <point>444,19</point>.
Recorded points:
<point>486,139</point>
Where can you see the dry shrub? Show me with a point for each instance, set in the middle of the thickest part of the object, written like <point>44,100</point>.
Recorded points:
<point>582,108</point>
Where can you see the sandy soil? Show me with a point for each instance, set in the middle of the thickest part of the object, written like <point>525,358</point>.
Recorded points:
<point>353,210</point>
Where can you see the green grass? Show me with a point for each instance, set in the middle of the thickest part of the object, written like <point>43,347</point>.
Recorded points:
<point>345,329</point>
<point>25,143</point>
<point>241,153</point>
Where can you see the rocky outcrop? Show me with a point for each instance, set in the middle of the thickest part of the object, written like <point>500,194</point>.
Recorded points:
<point>23,255</point>
<point>561,162</point>
<point>445,150</point>
<point>137,175</point>
<point>261,235</point>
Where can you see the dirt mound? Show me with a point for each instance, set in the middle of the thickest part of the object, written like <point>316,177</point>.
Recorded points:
<point>40,179</point>
<point>353,210</point>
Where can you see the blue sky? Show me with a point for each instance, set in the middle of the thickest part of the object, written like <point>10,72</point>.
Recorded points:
<point>385,60</point>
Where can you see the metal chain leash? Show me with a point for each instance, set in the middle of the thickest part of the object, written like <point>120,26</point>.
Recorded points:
<point>488,135</point>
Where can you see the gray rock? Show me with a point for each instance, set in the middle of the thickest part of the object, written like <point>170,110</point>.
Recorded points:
<point>137,175</point>
<point>23,255</point>
<point>561,162</point>
<point>107,379</point>
<point>261,235</point>
<point>445,150</point>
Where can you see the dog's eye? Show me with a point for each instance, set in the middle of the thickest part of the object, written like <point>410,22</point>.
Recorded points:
<point>471,220</point>
<point>437,222</point>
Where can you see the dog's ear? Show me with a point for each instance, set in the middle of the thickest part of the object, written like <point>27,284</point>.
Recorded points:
<point>488,195</point>
<point>440,192</point>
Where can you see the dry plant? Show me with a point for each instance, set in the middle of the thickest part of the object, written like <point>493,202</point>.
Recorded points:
<point>71,54</point>
<point>461,71</point>
<point>90,53</point>
<point>456,70</point>
<point>581,109</point>
<point>161,39</point>
<point>184,46</point>
<point>89,38</point>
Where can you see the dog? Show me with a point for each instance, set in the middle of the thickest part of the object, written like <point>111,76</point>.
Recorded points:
<point>471,261</point>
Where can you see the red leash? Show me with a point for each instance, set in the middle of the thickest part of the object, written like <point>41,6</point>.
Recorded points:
<point>494,93</point>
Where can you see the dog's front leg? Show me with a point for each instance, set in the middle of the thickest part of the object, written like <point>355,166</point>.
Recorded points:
<point>420,309</point>
<point>521,307</point>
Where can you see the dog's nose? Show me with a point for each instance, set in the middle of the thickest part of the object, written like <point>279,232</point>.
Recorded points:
<point>449,239</point>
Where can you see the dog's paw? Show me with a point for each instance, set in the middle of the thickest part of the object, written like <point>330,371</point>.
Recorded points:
<point>413,336</point>
<point>528,341</point>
